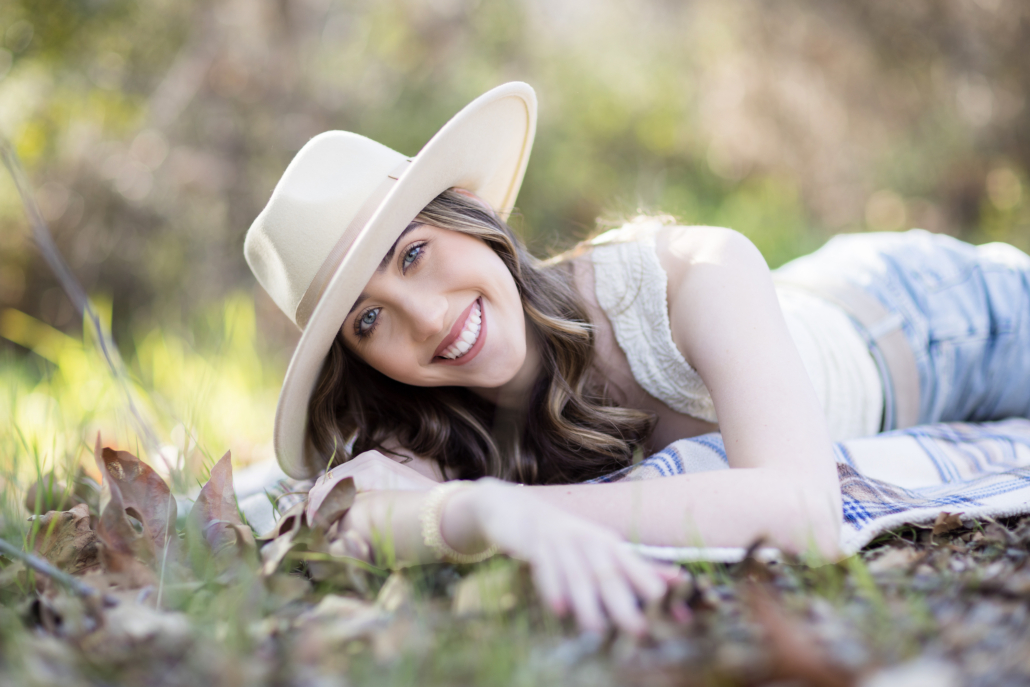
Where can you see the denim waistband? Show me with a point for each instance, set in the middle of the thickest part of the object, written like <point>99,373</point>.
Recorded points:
<point>882,330</point>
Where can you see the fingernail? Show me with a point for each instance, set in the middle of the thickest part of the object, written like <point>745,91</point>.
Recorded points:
<point>680,612</point>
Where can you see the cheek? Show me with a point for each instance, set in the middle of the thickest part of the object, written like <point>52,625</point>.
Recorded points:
<point>392,360</point>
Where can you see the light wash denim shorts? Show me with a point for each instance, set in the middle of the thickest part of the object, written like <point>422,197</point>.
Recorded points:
<point>948,323</point>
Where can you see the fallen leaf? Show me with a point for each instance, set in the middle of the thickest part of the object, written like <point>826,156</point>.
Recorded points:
<point>67,615</point>
<point>49,494</point>
<point>123,549</point>
<point>285,589</point>
<point>115,529</point>
<point>129,625</point>
<point>334,607</point>
<point>273,552</point>
<point>794,651</point>
<point>329,500</point>
<point>293,518</point>
<point>946,522</point>
<point>396,593</point>
<point>486,591</point>
<point>215,515</point>
<point>337,620</point>
<point>896,558</point>
<point>145,496</point>
<point>14,575</point>
<point>66,539</point>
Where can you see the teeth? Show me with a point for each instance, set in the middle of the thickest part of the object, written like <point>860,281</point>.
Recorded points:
<point>468,335</point>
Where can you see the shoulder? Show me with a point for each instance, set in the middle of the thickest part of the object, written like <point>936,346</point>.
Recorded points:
<point>720,294</point>
<point>694,254</point>
<point>427,467</point>
<point>702,253</point>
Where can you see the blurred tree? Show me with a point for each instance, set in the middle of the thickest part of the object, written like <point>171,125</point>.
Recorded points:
<point>156,131</point>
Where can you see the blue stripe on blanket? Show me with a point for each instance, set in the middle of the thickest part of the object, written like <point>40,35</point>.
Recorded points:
<point>907,475</point>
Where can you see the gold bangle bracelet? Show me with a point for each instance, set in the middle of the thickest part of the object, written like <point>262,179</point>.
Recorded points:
<point>431,518</point>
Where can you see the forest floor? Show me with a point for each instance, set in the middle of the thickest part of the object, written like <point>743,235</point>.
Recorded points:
<point>193,600</point>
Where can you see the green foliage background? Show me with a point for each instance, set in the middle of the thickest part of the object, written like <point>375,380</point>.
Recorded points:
<point>154,132</point>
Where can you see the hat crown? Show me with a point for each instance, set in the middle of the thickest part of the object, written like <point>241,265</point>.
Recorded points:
<point>318,196</point>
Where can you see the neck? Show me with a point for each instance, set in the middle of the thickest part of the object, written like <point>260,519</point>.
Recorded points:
<point>514,393</point>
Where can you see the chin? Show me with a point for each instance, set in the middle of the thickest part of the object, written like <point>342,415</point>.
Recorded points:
<point>499,373</point>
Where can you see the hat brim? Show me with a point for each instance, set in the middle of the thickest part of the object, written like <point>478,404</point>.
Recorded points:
<point>484,149</point>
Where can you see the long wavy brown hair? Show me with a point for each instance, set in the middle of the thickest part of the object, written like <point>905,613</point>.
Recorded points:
<point>568,431</point>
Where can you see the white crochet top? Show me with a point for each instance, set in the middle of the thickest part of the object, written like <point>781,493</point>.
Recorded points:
<point>631,288</point>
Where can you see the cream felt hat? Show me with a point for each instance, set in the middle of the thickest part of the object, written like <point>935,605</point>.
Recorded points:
<point>342,203</point>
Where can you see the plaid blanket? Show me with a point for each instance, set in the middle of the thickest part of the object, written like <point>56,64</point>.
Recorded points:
<point>905,476</point>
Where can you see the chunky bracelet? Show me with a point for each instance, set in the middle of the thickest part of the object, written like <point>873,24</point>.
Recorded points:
<point>432,521</point>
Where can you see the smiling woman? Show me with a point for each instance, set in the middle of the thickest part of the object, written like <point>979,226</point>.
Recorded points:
<point>462,305</point>
<point>460,355</point>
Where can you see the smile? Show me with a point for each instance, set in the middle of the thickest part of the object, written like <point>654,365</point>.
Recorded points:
<point>463,345</point>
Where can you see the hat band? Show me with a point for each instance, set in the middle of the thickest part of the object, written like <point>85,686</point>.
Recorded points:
<point>316,288</point>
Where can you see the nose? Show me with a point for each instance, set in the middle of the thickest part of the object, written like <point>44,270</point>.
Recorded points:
<point>427,314</point>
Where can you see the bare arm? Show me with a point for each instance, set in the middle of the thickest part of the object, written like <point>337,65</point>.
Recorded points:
<point>726,320</point>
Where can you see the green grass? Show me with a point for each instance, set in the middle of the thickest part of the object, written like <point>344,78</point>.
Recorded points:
<point>221,622</point>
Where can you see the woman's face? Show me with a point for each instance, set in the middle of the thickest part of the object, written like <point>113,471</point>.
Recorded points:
<point>441,310</point>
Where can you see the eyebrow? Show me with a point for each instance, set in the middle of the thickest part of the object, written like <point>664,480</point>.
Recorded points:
<point>382,265</point>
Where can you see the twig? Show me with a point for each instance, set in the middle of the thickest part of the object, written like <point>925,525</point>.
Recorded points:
<point>71,286</point>
<point>43,568</point>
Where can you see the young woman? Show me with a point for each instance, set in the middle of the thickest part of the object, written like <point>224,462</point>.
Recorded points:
<point>436,348</point>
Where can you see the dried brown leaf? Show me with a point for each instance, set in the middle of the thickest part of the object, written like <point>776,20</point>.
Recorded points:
<point>273,553</point>
<point>66,539</point>
<point>897,558</point>
<point>794,651</point>
<point>123,549</point>
<point>996,533</point>
<point>215,515</point>
<point>14,575</point>
<point>67,615</point>
<point>396,593</point>
<point>335,621</point>
<point>486,591</point>
<point>285,589</point>
<point>145,496</point>
<point>329,500</point>
<point>116,530</point>
<point>292,519</point>
<point>128,626</point>
<point>946,522</point>
<point>49,494</point>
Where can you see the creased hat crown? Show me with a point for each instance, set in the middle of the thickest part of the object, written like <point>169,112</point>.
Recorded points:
<point>318,196</point>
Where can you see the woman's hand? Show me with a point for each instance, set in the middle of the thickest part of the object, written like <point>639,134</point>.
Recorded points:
<point>576,564</point>
<point>373,471</point>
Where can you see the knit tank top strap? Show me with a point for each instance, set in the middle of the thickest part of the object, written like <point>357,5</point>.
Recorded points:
<point>631,287</point>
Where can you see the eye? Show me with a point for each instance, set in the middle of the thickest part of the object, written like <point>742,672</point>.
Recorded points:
<point>365,324</point>
<point>413,255</point>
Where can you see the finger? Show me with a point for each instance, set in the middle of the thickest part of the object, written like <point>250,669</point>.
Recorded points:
<point>548,581</point>
<point>649,584</point>
<point>582,588</point>
<point>616,590</point>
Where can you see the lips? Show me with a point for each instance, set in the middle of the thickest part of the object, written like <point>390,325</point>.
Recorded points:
<point>466,337</point>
